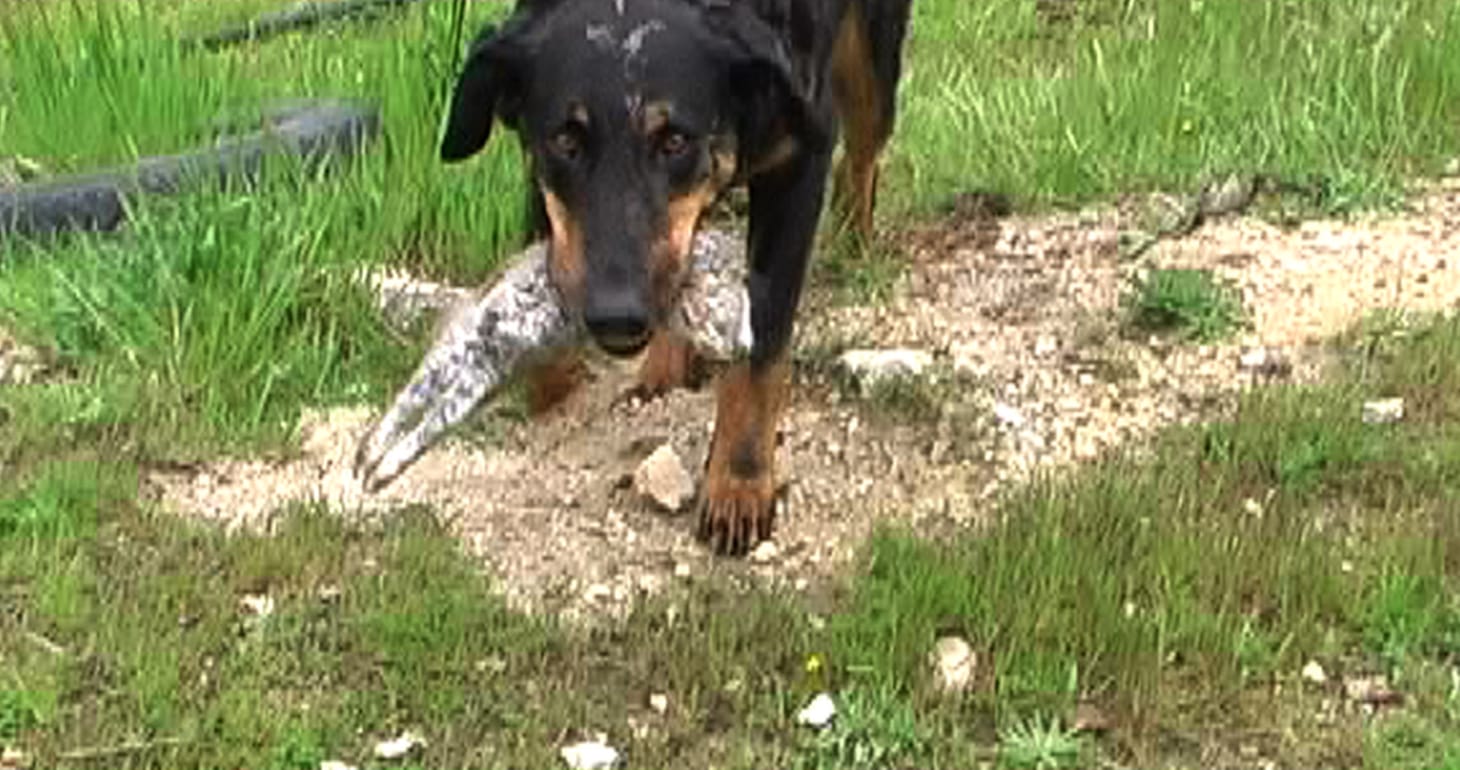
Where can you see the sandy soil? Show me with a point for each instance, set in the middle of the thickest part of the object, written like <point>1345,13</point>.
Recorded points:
<point>1021,317</point>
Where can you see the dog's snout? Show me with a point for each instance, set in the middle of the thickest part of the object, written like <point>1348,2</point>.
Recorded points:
<point>618,321</point>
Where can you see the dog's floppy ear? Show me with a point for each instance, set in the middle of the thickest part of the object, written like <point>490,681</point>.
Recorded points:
<point>488,87</point>
<point>776,116</point>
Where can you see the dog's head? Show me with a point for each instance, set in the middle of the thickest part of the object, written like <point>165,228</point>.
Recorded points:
<point>634,115</point>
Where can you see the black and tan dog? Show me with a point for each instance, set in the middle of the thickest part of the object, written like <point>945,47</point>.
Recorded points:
<point>634,115</point>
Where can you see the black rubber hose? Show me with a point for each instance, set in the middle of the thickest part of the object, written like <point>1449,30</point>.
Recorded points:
<point>301,16</point>
<point>97,202</point>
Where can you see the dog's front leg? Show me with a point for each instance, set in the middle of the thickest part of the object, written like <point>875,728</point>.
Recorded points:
<point>738,497</point>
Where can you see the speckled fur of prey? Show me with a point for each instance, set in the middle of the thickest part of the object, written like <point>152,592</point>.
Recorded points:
<point>520,319</point>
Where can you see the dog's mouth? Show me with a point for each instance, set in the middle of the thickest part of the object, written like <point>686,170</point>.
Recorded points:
<point>622,346</point>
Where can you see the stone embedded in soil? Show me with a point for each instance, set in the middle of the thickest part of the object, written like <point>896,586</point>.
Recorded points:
<point>13,758</point>
<point>590,755</point>
<point>20,364</point>
<point>1313,672</point>
<point>1265,361</point>
<point>871,367</point>
<point>1370,690</point>
<point>661,478</point>
<point>1384,411</point>
<point>1089,718</point>
<point>396,748</point>
<point>765,553</point>
<point>954,663</point>
<point>1008,415</point>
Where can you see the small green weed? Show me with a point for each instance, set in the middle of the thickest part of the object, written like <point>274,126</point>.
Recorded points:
<point>1192,303</point>
<point>1037,744</point>
<point>300,749</point>
<point>874,728</point>
<point>1408,741</point>
<point>61,500</point>
<point>18,712</point>
<point>859,273</point>
<point>1406,615</point>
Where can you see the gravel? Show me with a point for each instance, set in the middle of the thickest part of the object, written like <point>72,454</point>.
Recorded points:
<point>1018,316</point>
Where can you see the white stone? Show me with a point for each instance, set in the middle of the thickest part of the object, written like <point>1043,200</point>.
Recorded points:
<point>396,748</point>
<point>953,663</point>
<point>13,758</point>
<point>590,755</point>
<point>1008,415</point>
<point>258,605</point>
<point>765,553</point>
<point>818,713</point>
<point>870,367</point>
<point>1313,672</point>
<point>1252,360</point>
<point>659,702</point>
<point>1384,411</point>
<point>662,478</point>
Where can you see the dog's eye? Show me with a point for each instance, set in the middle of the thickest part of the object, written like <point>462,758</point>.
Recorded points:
<point>673,144</point>
<point>565,145</point>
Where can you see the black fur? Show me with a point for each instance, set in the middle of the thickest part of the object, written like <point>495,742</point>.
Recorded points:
<point>627,109</point>
<point>774,58</point>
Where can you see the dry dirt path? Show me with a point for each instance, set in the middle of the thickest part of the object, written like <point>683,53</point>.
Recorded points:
<point>1020,316</point>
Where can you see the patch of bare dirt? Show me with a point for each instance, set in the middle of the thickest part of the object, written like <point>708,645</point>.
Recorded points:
<point>1021,316</point>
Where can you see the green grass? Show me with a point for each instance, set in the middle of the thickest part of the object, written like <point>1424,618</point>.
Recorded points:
<point>1037,744</point>
<point>1145,586</point>
<point>1194,304</point>
<point>1114,584</point>
<point>1157,93</point>
<point>1050,112</point>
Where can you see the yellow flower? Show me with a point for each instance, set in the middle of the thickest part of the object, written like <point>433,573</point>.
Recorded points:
<point>813,663</point>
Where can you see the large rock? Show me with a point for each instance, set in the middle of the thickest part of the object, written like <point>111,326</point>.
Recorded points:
<point>662,479</point>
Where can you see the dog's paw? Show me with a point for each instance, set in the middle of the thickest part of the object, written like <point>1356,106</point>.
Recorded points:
<point>669,363</point>
<point>736,514</point>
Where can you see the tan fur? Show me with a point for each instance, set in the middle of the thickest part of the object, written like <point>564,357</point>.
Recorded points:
<point>740,482</point>
<point>565,260</point>
<point>855,88</point>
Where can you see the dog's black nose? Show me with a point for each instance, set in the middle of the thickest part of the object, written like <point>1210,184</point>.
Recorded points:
<point>618,322</point>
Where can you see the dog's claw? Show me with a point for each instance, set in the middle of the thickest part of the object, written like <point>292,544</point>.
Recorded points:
<point>735,515</point>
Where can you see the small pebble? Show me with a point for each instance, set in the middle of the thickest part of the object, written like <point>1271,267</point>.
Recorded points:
<point>1383,411</point>
<point>818,713</point>
<point>590,755</point>
<point>396,748</point>
<point>765,553</point>
<point>953,662</point>
<point>1008,415</point>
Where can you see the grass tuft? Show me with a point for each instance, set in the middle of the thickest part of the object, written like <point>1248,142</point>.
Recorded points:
<point>1036,744</point>
<point>1192,303</point>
